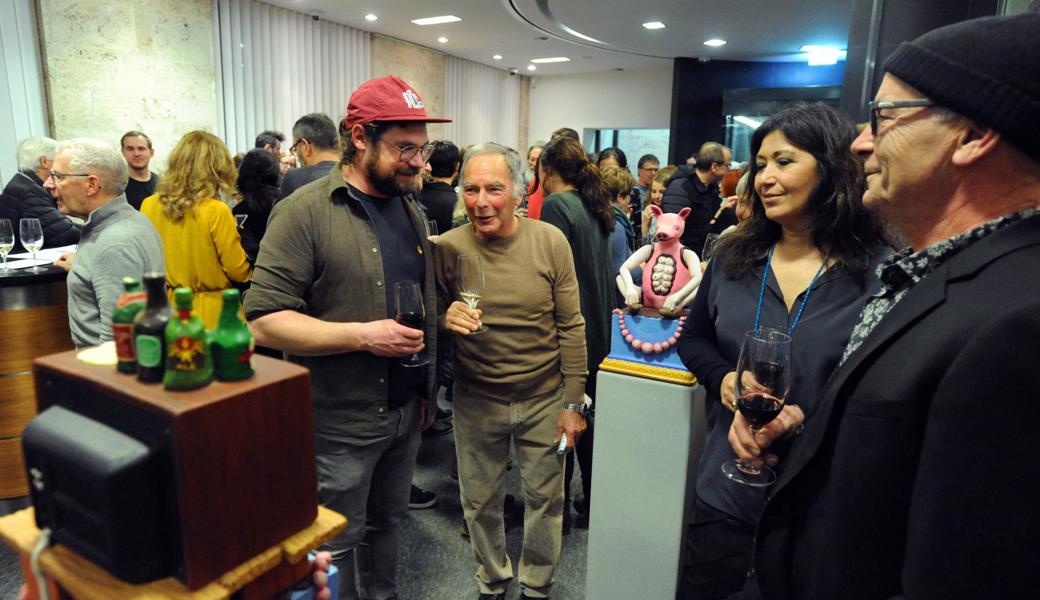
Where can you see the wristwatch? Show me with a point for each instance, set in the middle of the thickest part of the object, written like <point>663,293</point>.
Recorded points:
<point>581,409</point>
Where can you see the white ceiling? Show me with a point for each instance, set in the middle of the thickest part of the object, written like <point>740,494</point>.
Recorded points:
<point>754,29</point>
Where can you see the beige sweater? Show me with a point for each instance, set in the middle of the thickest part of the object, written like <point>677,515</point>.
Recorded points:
<point>536,335</point>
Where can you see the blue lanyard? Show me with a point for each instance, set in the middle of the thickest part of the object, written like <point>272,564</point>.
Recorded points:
<point>805,299</point>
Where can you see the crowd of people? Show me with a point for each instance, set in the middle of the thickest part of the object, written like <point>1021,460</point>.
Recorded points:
<point>896,257</point>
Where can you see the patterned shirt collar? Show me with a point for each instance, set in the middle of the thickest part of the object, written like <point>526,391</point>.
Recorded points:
<point>906,268</point>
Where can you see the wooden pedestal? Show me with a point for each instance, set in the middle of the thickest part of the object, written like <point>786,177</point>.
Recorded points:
<point>241,455</point>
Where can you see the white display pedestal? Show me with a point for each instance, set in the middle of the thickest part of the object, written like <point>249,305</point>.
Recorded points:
<point>649,437</point>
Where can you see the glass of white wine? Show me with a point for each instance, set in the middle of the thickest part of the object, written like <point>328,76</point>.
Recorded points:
<point>470,278</point>
<point>31,234</point>
<point>6,240</point>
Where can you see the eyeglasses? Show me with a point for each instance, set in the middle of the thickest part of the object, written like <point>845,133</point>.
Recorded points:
<point>878,105</point>
<point>57,177</point>
<point>407,153</point>
<point>292,149</point>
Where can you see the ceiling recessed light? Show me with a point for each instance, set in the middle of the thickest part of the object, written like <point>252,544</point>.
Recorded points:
<point>371,17</point>
<point>553,59</point>
<point>436,20</point>
<point>654,25</point>
<point>715,42</point>
<point>531,67</point>
<point>497,57</point>
<point>442,40</point>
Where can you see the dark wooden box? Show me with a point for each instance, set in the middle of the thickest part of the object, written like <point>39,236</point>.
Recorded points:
<point>240,456</point>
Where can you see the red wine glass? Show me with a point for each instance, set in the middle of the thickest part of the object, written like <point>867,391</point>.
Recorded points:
<point>411,313</point>
<point>763,382</point>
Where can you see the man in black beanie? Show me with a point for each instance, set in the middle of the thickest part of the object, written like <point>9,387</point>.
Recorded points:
<point>915,477</point>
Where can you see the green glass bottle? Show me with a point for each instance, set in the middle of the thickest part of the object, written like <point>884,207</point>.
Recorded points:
<point>231,342</point>
<point>131,302</point>
<point>189,365</point>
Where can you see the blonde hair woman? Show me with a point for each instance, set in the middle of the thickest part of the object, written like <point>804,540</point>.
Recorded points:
<point>201,244</point>
<point>654,195</point>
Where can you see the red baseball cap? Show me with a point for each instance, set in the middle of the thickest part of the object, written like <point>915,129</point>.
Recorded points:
<point>386,99</point>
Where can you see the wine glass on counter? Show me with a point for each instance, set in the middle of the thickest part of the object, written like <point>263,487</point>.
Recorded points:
<point>31,234</point>
<point>411,313</point>
<point>470,278</point>
<point>763,382</point>
<point>6,240</point>
<point>709,245</point>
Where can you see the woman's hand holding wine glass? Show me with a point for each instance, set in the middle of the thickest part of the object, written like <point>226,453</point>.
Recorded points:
<point>763,380</point>
<point>750,446</point>
<point>728,392</point>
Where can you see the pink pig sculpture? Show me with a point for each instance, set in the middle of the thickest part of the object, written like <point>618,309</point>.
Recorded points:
<point>668,281</point>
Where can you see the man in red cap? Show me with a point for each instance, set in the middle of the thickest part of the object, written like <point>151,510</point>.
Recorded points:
<point>323,292</point>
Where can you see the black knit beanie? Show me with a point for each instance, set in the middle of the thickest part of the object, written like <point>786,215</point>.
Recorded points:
<point>986,69</point>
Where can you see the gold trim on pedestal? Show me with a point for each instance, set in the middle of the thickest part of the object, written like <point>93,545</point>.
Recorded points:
<point>666,374</point>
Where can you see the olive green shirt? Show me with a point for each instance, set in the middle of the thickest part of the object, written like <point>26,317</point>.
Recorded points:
<point>320,257</point>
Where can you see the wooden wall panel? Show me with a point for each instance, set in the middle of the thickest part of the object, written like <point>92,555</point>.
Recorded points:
<point>33,332</point>
<point>12,469</point>
<point>27,334</point>
<point>17,404</point>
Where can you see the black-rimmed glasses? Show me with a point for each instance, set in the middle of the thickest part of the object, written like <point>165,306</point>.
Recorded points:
<point>292,149</point>
<point>407,153</point>
<point>56,176</point>
<point>878,105</point>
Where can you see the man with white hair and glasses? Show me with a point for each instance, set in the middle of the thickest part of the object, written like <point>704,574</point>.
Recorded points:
<point>25,198</point>
<point>89,177</point>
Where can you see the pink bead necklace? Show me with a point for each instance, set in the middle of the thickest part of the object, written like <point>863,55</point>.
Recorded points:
<point>648,347</point>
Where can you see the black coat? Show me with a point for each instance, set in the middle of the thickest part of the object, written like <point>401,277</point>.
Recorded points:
<point>917,476</point>
<point>685,189</point>
<point>25,198</point>
<point>439,201</point>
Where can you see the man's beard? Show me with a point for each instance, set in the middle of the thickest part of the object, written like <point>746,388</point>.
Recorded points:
<point>387,184</point>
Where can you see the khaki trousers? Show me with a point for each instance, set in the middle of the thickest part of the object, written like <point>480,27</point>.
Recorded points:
<point>484,428</point>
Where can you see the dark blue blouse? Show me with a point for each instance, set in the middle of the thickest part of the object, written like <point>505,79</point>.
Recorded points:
<point>722,312</point>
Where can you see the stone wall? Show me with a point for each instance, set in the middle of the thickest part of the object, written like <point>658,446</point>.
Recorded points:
<point>118,65</point>
<point>421,67</point>
<point>523,128</point>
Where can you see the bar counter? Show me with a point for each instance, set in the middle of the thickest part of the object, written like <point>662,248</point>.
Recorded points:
<point>34,321</point>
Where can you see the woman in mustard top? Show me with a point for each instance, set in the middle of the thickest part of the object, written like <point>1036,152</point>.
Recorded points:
<point>202,247</point>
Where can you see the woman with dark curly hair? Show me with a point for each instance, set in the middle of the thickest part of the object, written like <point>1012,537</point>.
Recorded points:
<point>258,176</point>
<point>802,263</point>
<point>578,204</point>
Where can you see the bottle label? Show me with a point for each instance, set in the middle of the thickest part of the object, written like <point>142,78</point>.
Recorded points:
<point>186,354</point>
<point>149,350</point>
<point>124,338</point>
<point>130,298</point>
